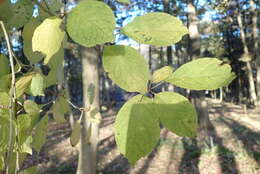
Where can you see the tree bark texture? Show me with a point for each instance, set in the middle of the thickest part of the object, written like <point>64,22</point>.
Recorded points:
<point>88,146</point>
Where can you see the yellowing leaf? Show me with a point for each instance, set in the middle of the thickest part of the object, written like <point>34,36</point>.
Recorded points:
<point>176,113</point>
<point>27,34</point>
<point>160,29</point>
<point>22,84</point>
<point>162,74</point>
<point>136,128</point>
<point>26,146</point>
<point>91,23</point>
<point>127,68</point>
<point>202,74</point>
<point>47,37</point>
<point>75,135</point>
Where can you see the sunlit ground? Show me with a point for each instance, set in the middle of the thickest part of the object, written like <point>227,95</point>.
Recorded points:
<point>235,148</point>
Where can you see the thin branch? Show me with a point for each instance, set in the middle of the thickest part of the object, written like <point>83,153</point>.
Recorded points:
<point>12,101</point>
<point>78,108</point>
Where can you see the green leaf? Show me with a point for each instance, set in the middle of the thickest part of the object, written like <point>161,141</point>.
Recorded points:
<point>56,73</point>
<point>22,12</point>
<point>37,85</point>
<point>162,74</point>
<point>4,64</point>
<point>4,133</point>
<point>27,34</point>
<point>124,1</point>
<point>30,170</point>
<point>47,37</point>
<point>22,84</point>
<point>31,107</point>
<point>4,103</point>
<point>176,113</point>
<point>54,6</point>
<point>136,128</point>
<point>91,23</point>
<point>127,68</point>
<point>91,93</point>
<point>12,163</point>
<point>24,127</point>
<point>6,11</point>
<point>26,146</point>
<point>60,107</point>
<point>40,135</point>
<point>5,82</point>
<point>157,28</point>
<point>75,134</point>
<point>2,162</point>
<point>202,74</point>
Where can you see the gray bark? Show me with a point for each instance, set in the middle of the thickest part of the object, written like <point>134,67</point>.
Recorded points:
<point>256,46</point>
<point>252,91</point>
<point>198,97</point>
<point>88,146</point>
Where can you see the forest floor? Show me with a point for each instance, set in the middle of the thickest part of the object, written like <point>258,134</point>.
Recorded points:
<point>235,148</point>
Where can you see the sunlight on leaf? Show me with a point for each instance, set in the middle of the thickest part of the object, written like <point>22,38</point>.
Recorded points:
<point>91,23</point>
<point>157,28</point>
<point>136,128</point>
<point>202,74</point>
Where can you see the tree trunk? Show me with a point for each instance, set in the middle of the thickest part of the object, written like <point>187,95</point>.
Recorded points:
<point>88,146</point>
<point>169,48</point>
<point>256,46</point>
<point>198,97</point>
<point>252,91</point>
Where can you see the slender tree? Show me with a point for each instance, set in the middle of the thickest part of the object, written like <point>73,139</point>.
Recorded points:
<point>246,56</point>
<point>198,96</point>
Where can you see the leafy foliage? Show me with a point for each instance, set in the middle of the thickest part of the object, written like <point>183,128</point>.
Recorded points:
<point>40,135</point>
<point>136,128</point>
<point>27,34</point>
<point>75,135</point>
<point>156,28</point>
<point>202,74</point>
<point>91,23</point>
<point>47,37</point>
<point>37,85</point>
<point>162,74</point>
<point>60,107</point>
<point>176,113</point>
<point>126,67</point>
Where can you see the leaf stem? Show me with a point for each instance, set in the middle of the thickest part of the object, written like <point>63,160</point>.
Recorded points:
<point>12,101</point>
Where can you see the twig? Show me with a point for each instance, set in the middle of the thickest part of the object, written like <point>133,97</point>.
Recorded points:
<point>12,101</point>
<point>78,108</point>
